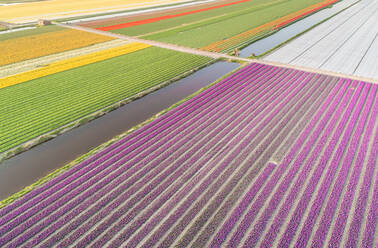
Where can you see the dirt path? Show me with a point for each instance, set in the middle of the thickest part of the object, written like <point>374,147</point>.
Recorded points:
<point>211,54</point>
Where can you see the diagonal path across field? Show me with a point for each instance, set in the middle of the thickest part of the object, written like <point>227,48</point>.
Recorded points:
<point>214,55</point>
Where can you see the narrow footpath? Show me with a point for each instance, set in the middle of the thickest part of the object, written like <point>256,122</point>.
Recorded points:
<point>210,54</point>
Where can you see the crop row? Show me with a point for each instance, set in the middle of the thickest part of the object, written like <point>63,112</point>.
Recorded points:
<point>49,102</point>
<point>167,183</point>
<point>70,63</point>
<point>211,15</point>
<point>34,46</point>
<point>160,18</point>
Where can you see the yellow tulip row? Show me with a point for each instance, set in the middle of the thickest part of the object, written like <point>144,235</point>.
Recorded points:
<point>70,64</point>
<point>34,46</point>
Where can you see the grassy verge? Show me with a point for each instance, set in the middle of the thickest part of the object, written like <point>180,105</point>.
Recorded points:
<point>99,148</point>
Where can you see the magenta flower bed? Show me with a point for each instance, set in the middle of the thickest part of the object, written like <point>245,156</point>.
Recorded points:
<point>167,183</point>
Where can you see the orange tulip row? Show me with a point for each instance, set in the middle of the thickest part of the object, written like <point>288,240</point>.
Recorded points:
<point>222,45</point>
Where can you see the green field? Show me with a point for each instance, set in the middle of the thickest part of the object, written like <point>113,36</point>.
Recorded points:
<point>206,17</point>
<point>33,108</point>
<point>218,24</point>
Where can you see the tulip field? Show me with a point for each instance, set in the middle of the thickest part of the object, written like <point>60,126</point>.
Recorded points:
<point>266,157</point>
<point>223,27</point>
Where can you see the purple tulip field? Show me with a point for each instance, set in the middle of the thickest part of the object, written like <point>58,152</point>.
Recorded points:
<point>267,157</point>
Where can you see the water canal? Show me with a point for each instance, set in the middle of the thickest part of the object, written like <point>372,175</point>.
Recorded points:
<point>25,168</point>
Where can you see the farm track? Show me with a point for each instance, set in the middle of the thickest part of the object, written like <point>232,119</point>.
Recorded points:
<point>269,156</point>
<point>217,55</point>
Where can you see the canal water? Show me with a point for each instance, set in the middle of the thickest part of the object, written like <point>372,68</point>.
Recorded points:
<point>290,31</point>
<point>25,168</point>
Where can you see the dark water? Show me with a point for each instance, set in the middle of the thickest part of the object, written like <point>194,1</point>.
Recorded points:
<point>27,167</point>
<point>284,34</point>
